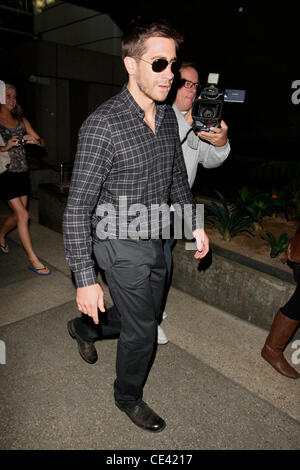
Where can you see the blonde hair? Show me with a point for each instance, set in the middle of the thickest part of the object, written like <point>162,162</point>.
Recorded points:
<point>17,111</point>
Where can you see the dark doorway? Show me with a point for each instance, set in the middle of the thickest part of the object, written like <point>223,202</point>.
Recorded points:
<point>78,110</point>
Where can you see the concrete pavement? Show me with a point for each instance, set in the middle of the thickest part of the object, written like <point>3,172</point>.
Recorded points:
<point>209,382</point>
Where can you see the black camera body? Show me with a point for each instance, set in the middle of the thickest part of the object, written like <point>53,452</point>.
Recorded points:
<point>207,109</point>
<point>22,141</point>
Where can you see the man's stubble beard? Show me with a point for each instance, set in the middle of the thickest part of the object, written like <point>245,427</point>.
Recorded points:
<point>147,91</point>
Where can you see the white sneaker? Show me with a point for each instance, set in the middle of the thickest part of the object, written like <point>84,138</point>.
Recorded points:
<point>161,336</point>
<point>164,315</point>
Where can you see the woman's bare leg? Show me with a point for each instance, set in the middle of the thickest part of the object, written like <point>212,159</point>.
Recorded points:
<point>9,224</point>
<point>18,205</point>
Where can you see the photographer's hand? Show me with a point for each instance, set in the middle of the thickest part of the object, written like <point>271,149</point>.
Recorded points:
<point>219,136</point>
<point>188,117</point>
<point>13,142</point>
<point>30,139</point>
<point>31,136</point>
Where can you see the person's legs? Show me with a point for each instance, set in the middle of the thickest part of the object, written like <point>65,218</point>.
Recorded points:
<point>22,218</point>
<point>284,325</point>
<point>135,273</point>
<point>9,224</point>
<point>168,246</point>
<point>18,205</point>
<point>11,221</point>
<point>109,325</point>
<point>167,250</point>
<point>136,283</point>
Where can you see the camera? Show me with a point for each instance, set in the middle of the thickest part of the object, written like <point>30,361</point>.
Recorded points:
<point>22,141</point>
<point>207,109</point>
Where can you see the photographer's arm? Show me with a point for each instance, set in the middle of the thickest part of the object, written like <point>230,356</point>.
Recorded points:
<point>188,117</point>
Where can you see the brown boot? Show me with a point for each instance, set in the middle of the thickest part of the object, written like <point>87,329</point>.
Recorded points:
<point>281,330</point>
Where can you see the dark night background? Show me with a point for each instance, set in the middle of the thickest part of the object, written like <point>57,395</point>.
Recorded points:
<point>253,47</point>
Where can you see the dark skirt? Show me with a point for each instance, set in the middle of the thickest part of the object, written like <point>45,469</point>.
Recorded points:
<point>14,184</point>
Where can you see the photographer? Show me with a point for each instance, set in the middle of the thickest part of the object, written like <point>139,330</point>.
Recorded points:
<point>209,149</point>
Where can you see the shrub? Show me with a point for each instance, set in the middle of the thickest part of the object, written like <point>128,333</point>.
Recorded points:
<point>277,246</point>
<point>228,219</point>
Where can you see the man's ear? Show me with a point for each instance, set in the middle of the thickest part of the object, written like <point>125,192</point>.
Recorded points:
<point>130,65</point>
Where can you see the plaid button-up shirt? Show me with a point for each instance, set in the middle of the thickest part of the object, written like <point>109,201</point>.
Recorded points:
<point>119,158</point>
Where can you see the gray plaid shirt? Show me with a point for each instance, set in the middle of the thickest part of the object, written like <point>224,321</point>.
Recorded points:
<point>119,158</point>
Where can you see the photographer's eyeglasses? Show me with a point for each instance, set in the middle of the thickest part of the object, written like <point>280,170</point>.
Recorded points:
<point>158,65</point>
<point>189,84</point>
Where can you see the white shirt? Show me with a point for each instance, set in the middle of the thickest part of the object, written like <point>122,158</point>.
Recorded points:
<point>197,151</point>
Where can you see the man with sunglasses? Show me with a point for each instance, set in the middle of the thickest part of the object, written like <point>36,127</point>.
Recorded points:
<point>206,148</point>
<point>128,150</point>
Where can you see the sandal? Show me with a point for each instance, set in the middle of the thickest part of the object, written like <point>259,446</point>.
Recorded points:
<point>4,248</point>
<point>38,270</point>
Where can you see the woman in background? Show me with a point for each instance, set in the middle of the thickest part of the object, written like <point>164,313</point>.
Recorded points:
<point>14,183</point>
<point>283,327</point>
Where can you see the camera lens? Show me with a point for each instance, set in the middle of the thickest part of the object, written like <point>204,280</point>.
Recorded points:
<point>208,113</point>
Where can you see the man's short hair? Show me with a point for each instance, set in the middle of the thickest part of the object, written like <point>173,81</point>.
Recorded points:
<point>133,43</point>
<point>185,65</point>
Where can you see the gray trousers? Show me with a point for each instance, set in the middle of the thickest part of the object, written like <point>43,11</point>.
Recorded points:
<point>135,272</point>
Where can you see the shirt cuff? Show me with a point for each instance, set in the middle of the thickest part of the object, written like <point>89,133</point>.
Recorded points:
<point>223,148</point>
<point>85,278</point>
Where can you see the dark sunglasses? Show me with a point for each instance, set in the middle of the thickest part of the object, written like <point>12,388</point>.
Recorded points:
<point>158,65</point>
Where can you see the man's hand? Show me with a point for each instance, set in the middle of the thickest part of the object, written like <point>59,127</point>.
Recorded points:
<point>219,138</point>
<point>89,299</point>
<point>202,243</point>
<point>188,117</point>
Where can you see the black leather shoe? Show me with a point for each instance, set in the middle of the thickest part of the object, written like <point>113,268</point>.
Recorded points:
<point>143,416</point>
<point>86,349</point>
